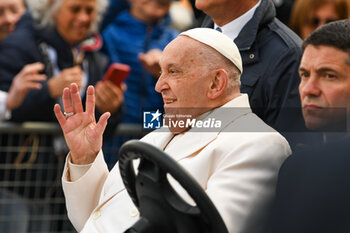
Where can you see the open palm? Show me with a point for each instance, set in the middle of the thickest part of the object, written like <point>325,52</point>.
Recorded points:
<point>81,132</point>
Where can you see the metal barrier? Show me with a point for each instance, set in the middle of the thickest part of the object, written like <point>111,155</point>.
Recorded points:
<point>31,164</point>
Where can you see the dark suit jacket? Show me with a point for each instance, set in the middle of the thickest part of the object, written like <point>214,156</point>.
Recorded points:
<point>313,191</point>
<point>271,55</point>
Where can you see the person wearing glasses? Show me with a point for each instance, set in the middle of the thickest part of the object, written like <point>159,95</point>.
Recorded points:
<point>308,15</point>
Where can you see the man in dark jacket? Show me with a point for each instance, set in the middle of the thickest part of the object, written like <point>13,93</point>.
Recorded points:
<point>313,187</point>
<point>29,44</point>
<point>271,54</point>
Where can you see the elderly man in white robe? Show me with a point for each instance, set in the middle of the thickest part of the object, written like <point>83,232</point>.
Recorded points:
<point>236,163</point>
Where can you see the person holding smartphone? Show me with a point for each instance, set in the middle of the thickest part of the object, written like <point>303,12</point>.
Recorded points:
<point>57,34</point>
<point>61,35</point>
<point>136,38</point>
<point>142,29</point>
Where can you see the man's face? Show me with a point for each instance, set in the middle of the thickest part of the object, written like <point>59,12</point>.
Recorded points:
<point>214,8</point>
<point>149,11</point>
<point>325,86</point>
<point>74,18</point>
<point>10,12</point>
<point>207,4</point>
<point>185,79</point>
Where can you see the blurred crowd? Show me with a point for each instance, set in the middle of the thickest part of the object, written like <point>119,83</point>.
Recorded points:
<point>76,41</point>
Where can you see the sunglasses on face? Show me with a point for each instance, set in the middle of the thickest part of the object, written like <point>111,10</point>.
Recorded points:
<point>316,22</point>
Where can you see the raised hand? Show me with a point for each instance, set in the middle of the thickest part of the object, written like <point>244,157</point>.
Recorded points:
<point>64,79</point>
<point>81,132</point>
<point>150,61</point>
<point>28,78</point>
<point>109,96</point>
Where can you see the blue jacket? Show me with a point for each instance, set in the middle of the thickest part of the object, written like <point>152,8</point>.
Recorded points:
<point>271,54</point>
<point>22,48</point>
<point>124,39</point>
<point>114,8</point>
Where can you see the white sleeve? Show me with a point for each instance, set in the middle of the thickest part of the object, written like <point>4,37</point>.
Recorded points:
<point>75,170</point>
<point>4,113</point>
<point>82,195</point>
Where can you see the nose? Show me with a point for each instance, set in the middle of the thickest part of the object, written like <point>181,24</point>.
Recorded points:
<point>83,16</point>
<point>161,84</point>
<point>310,87</point>
<point>10,18</point>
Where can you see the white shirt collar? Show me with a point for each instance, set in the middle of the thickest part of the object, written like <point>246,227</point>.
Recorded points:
<point>233,28</point>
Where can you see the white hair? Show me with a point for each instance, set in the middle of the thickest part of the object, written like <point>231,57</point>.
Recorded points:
<point>215,60</point>
<point>44,11</point>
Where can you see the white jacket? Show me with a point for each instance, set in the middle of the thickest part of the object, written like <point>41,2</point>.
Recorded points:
<point>236,165</point>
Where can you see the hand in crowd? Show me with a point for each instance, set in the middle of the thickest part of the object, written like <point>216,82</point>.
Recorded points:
<point>68,76</point>
<point>28,78</point>
<point>150,61</point>
<point>109,96</point>
<point>81,132</point>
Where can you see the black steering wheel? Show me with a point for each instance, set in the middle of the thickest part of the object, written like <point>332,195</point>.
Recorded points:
<point>161,209</point>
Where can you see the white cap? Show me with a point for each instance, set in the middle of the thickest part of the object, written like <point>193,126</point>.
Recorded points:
<point>218,41</point>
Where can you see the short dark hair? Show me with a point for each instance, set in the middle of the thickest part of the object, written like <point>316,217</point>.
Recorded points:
<point>335,34</point>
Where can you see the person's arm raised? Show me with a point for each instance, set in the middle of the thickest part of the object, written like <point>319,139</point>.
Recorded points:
<point>81,132</point>
<point>27,79</point>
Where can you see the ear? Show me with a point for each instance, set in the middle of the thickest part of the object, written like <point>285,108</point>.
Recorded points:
<point>218,84</point>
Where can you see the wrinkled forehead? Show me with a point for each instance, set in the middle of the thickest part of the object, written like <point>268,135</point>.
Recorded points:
<point>7,3</point>
<point>181,48</point>
<point>324,54</point>
<point>79,2</point>
<point>183,44</point>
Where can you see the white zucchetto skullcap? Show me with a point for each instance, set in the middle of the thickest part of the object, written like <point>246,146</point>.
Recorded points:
<point>218,41</point>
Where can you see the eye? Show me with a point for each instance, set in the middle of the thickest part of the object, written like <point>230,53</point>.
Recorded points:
<point>304,74</point>
<point>75,9</point>
<point>14,9</point>
<point>331,76</point>
<point>90,10</point>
